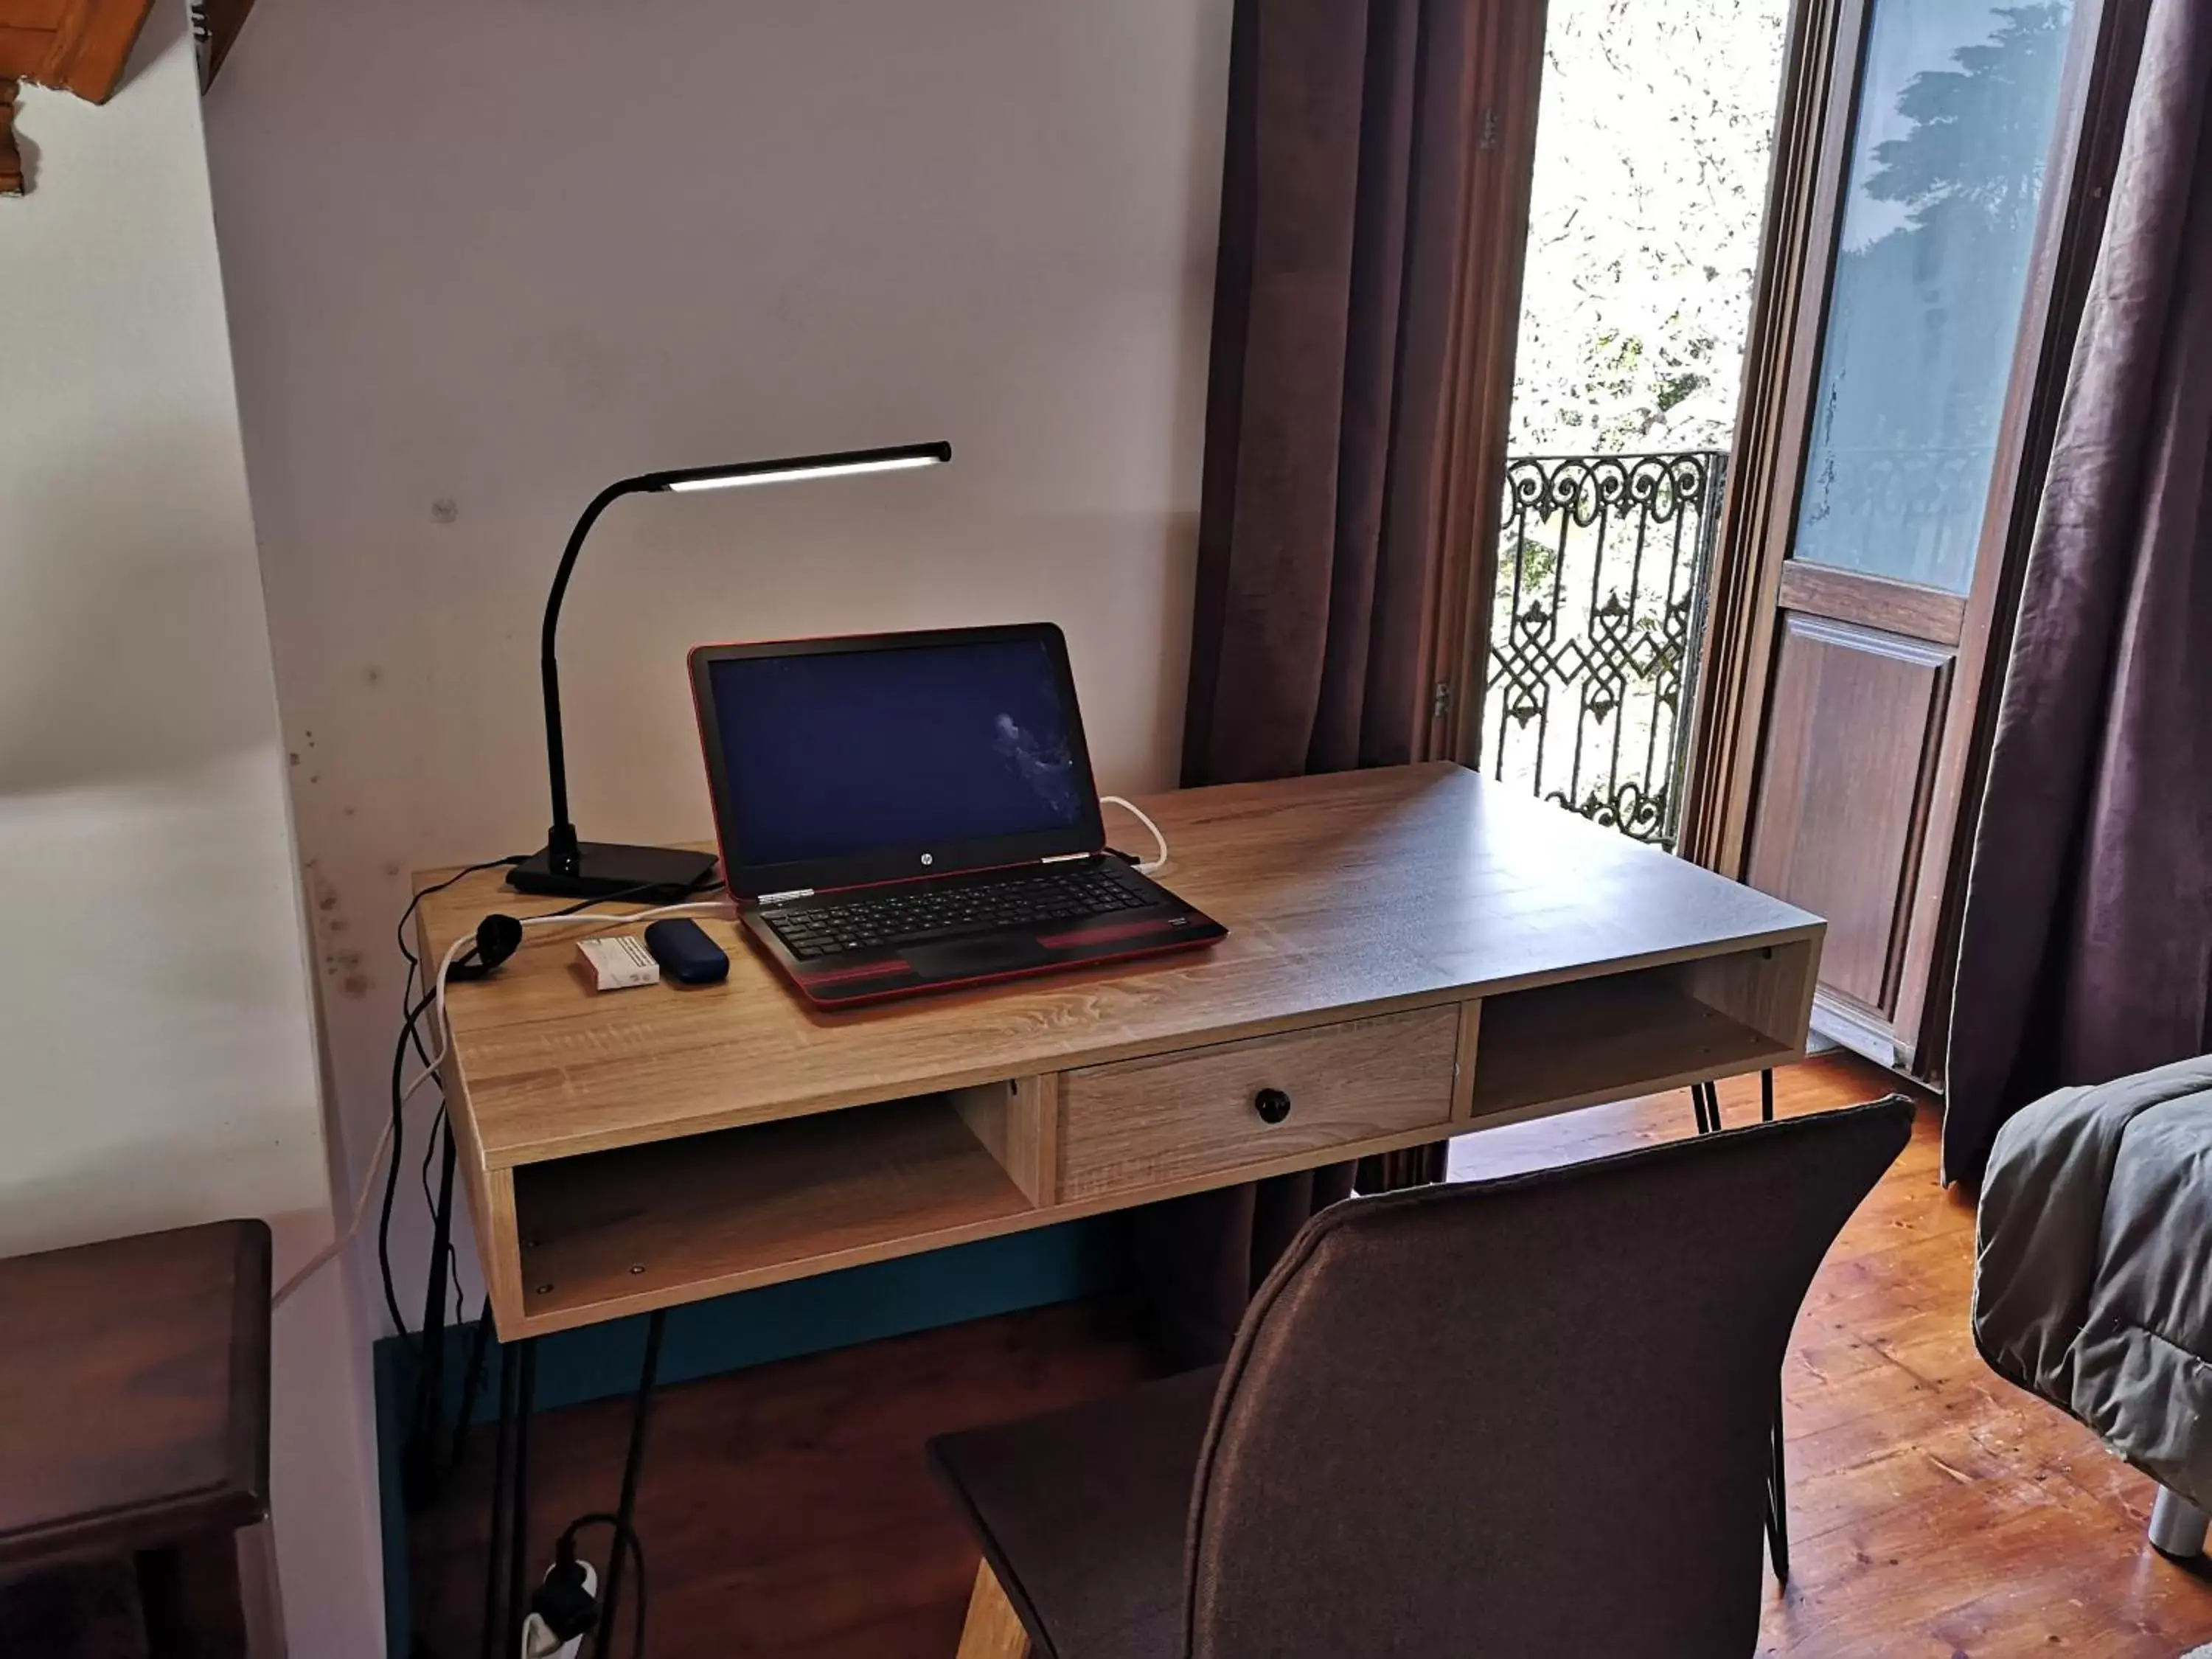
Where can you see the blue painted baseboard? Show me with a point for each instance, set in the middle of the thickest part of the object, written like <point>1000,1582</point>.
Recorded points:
<point>782,1321</point>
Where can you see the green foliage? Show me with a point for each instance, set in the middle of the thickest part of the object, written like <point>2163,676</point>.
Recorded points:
<point>1652,153</point>
<point>1969,122</point>
<point>1538,561</point>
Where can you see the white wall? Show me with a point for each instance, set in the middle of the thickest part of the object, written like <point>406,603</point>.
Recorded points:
<point>502,253</point>
<point>154,997</point>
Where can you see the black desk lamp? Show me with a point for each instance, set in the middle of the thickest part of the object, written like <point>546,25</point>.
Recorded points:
<point>570,868</point>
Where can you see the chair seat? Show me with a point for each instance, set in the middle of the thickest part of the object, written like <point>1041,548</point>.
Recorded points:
<point>1081,1513</point>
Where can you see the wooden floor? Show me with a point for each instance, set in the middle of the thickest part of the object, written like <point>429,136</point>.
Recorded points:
<point>1934,1509</point>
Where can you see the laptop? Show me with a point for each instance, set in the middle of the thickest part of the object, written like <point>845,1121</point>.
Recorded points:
<point>905,812</point>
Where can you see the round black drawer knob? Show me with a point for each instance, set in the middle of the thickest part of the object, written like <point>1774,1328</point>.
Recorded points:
<point>1271,1104</point>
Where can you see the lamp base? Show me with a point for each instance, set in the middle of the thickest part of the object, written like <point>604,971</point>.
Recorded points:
<point>649,875</point>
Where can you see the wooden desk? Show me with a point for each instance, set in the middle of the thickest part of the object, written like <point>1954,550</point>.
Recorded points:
<point>1413,953</point>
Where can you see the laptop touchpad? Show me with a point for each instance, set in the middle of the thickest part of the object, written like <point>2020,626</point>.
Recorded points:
<point>965,959</point>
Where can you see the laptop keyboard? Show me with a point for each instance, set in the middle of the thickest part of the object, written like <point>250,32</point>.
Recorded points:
<point>925,912</point>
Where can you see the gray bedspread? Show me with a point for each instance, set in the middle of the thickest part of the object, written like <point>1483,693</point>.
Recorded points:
<point>2093,1278</point>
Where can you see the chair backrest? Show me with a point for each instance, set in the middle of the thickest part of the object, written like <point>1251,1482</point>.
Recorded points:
<point>1525,1417</point>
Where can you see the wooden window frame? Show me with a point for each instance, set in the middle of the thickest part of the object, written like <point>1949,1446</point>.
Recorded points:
<point>1750,581</point>
<point>1736,659</point>
<point>1753,581</point>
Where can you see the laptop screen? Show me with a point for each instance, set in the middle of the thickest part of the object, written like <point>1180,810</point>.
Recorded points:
<point>911,758</point>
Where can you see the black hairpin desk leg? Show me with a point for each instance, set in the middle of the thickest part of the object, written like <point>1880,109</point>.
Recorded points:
<point>1705,1102</point>
<point>506,1601</point>
<point>518,1533</point>
<point>479,1345</point>
<point>633,1462</point>
<point>495,1613</point>
<point>1778,1499</point>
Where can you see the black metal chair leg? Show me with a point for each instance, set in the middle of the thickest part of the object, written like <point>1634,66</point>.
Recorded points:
<point>633,1463</point>
<point>495,1612</point>
<point>1778,1487</point>
<point>1778,1499</point>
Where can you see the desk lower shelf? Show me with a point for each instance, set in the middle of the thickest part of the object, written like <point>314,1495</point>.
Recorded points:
<point>601,1235</point>
<point>1578,1044</point>
<point>749,1207</point>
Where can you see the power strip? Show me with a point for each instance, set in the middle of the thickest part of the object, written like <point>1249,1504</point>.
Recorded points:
<point>539,1642</point>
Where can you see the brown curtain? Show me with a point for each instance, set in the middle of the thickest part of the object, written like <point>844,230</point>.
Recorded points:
<point>1344,227</point>
<point>2086,948</point>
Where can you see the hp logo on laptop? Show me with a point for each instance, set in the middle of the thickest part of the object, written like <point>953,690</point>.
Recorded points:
<point>928,858</point>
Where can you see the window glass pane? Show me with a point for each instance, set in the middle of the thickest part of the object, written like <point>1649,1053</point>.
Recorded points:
<point>1957,104</point>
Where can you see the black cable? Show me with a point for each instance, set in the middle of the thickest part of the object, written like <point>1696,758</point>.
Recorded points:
<point>702,890</point>
<point>430,1144</point>
<point>391,1164</point>
<point>410,1036</point>
<point>414,963</point>
<point>625,1536</point>
<point>441,1125</point>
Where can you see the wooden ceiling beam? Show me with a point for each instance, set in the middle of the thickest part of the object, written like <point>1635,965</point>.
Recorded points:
<point>78,45</point>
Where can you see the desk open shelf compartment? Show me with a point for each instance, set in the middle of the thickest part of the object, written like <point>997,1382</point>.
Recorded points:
<point>1614,1035</point>
<point>752,1206</point>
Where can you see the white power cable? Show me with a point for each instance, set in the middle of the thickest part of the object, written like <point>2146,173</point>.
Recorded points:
<point>598,923</point>
<point>321,1258</point>
<point>1159,862</point>
<point>722,908</point>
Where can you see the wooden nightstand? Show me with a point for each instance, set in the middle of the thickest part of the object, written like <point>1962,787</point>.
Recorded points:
<point>134,1387</point>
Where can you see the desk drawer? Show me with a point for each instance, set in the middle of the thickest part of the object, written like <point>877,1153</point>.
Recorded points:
<point>1146,1122</point>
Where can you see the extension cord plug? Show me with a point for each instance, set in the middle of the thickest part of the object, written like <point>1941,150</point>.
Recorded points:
<point>539,1640</point>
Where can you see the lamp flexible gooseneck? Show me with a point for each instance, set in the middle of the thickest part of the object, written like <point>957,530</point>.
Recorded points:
<point>568,866</point>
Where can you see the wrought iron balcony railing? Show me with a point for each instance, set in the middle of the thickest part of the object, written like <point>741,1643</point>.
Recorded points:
<point>1600,615</point>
